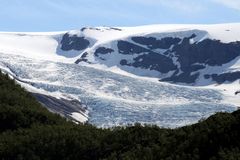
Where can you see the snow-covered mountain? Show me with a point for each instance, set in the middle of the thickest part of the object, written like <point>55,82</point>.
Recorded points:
<point>170,75</point>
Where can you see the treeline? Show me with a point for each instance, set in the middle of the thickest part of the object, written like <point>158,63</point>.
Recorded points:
<point>28,131</point>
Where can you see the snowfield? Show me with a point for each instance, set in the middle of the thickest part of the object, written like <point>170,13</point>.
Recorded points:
<point>113,96</point>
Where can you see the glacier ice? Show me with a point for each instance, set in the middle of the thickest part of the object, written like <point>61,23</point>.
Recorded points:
<point>113,99</point>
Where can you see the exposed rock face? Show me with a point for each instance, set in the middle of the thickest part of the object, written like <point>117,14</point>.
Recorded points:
<point>61,106</point>
<point>147,59</point>
<point>103,50</point>
<point>197,56</point>
<point>225,77</point>
<point>207,52</point>
<point>83,58</point>
<point>73,42</point>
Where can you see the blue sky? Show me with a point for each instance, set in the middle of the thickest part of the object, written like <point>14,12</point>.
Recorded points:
<point>58,15</point>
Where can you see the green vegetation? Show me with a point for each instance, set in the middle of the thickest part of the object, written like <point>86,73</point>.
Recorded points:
<point>29,132</point>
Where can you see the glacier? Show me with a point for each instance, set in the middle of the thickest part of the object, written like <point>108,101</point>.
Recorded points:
<point>113,99</point>
<point>114,90</point>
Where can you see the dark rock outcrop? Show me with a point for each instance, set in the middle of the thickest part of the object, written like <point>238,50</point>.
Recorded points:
<point>224,77</point>
<point>83,58</point>
<point>73,42</point>
<point>147,60</point>
<point>61,106</point>
<point>207,52</point>
<point>103,50</point>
